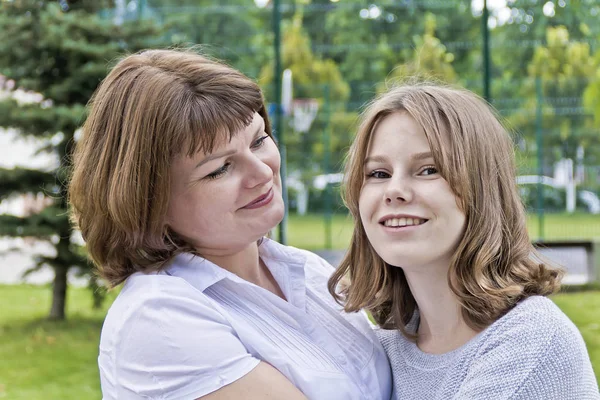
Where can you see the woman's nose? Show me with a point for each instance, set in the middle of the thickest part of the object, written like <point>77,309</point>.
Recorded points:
<point>258,172</point>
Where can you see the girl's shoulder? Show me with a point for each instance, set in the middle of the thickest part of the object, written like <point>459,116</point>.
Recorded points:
<point>536,332</point>
<point>537,352</point>
<point>532,318</point>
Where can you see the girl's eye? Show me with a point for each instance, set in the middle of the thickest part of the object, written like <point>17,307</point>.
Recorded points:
<point>429,171</point>
<point>259,142</point>
<point>221,171</point>
<point>378,175</point>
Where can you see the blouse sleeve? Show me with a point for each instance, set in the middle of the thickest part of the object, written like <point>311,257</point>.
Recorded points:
<point>176,345</point>
<point>535,356</point>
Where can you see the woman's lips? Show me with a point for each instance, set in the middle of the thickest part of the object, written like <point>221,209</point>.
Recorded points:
<point>260,201</point>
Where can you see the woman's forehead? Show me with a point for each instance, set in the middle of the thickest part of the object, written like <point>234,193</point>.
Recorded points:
<point>204,141</point>
<point>203,145</point>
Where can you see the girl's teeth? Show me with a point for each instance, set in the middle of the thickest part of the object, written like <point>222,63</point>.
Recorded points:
<point>401,222</point>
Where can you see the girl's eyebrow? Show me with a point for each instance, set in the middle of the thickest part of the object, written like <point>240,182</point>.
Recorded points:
<point>369,159</point>
<point>417,156</point>
<point>422,156</point>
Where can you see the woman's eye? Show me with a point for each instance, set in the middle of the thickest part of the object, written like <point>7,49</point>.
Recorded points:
<point>221,171</point>
<point>429,171</point>
<point>259,142</point>
<point>378,175</point>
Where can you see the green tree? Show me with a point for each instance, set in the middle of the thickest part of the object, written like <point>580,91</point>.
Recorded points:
<point>563,67</point>
<point>516,39</point>
<point>430,59</point>
<point>365,40</point>
<point>61,51</point>
<point>235,31</point>
<point>368,40</point>
<point>315,78</point>
<point>592,93</point>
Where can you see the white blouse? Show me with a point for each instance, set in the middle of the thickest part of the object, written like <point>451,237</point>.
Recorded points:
<point>193,328</point>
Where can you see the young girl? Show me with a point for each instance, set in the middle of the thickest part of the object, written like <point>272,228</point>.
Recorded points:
<point>441,256</point>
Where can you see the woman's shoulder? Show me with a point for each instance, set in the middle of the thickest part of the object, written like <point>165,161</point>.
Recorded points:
<point>146,289</point>
<point>162,335</point>
<point>153,302</point>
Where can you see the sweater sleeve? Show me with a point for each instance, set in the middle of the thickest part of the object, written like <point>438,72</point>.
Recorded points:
<point>537,353</point>
<point>564,371</point>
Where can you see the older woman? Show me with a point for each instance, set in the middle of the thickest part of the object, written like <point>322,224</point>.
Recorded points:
<point>175,185</point>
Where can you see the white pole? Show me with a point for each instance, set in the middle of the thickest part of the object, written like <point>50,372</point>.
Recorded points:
<point>570,187</point>
<point>286,92</point>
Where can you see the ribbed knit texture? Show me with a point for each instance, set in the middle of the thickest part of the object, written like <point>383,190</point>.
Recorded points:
<point>533,352</point>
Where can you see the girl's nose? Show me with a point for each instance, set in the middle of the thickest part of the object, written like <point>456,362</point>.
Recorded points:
<point>397,192</point>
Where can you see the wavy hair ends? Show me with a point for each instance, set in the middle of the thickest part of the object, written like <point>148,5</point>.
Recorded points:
<point>494,265</point>
<point>152,106</point>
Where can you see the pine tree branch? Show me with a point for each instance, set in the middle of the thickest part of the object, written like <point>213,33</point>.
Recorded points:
<point>39,120</point>
<point>62,56</point>
<point>41,225</point>
<point>21,180</point>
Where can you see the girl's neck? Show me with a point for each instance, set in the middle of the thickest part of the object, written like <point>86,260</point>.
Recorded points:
<point>442,327</point>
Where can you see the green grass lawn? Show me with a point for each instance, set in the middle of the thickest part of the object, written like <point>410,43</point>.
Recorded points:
<point>43,359</point>
<point>584,310</point>
<point>308,232</point>
<point>49,360</point>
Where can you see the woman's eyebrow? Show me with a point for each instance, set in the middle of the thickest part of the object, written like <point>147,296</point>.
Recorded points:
<point>214,157</point>
<point>261,128</point>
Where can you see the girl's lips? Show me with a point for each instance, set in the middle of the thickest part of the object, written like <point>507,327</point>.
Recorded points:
<point>260,201</point>
<point>402,229</point>
<point>402,222</point>
<point>399,216</point>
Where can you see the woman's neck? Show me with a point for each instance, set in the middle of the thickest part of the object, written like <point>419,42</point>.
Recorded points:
<point>247,264</point>
<point>442,327</point>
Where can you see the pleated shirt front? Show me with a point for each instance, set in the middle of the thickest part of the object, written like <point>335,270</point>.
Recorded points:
<point>191,329</point>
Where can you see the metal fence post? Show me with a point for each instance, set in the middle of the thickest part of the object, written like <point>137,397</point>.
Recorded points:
<point>327,168</point>
<point>278,117</point>
<point>539,138</point>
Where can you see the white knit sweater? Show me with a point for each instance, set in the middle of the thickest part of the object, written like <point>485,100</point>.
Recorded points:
<point>533,352</point>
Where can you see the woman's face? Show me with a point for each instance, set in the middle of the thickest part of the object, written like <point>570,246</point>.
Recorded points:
<point>223,201</point>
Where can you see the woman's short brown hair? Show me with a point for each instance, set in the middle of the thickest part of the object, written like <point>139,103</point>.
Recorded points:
<point>151,107</point>
<point>494,265</point>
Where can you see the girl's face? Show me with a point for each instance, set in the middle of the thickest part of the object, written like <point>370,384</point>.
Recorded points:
<point>223,201</point>
<point>409,212</point>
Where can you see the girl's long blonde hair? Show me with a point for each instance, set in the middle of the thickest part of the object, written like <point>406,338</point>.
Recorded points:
<point>494,265</point>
